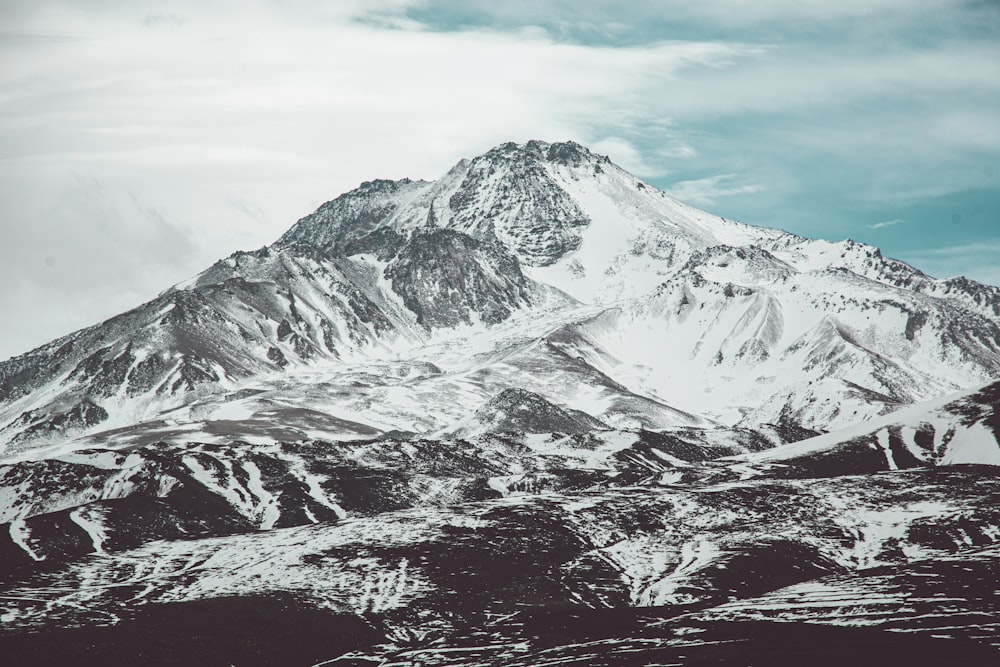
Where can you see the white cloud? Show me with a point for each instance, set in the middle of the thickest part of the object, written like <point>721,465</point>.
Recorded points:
<point>162,20</point>
<point>886,223</point>
<point>78,249</point>
<point>600,13</point>
<point>704,191</point>
<point>742,12</point>
<point>624,153</point>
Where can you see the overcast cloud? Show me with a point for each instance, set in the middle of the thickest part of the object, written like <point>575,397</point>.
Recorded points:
<point>139,142</point>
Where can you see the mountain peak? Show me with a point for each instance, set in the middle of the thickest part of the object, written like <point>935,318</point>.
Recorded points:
<point>568,153</point>
<point>513,193</point>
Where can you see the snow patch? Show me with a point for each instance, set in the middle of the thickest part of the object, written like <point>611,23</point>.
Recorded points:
<point>90,520</point>
<point>20,535</point>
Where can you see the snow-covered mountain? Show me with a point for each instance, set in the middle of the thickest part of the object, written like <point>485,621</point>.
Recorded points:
<point>541,267</point>
<point>536,412</point>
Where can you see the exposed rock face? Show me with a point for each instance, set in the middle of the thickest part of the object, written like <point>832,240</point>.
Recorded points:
<point>446,278</point>
<point>517,410</point>
<point>78,418</point>
<point>510,194</point>
<point>356,221</point>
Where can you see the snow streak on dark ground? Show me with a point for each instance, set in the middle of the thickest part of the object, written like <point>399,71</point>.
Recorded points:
<point>600,570</point>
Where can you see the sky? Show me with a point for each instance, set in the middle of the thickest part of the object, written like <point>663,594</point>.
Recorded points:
<point>142,141</point>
